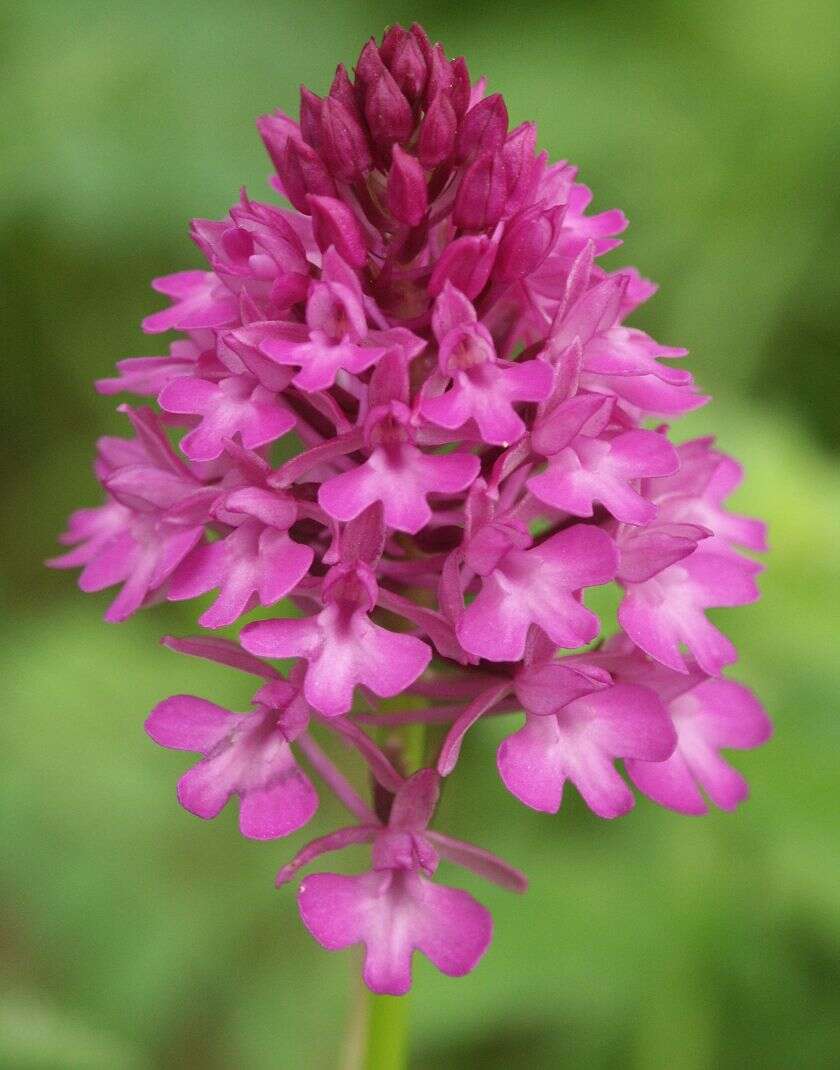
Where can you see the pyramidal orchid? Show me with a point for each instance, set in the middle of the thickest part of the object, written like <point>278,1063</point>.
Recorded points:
<point>413,427</point>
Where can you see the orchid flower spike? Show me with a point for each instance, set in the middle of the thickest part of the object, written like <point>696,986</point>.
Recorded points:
<point>405,421</point>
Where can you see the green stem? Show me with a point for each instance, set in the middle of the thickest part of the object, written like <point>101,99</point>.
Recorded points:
<point>386,1032</point>
<point>386,1017</point>
<point>385,1029</point>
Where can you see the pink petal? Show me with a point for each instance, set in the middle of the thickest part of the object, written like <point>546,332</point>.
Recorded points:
<point>476,859</point>
<point>202,792</point>
<point>184,722</point>
<point>645,553</point>
<point>531,766</point>
<point>279,808</point>
<point>666,610</point>
<point>223,651</point>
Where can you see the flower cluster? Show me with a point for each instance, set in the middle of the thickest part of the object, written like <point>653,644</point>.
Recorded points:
<point>409,409</point>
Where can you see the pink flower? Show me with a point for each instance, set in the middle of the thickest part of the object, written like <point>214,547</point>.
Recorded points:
<point>257,561</point>
<point>132,540</point>
<point>574,731</point>
<point>707,714</point>
<point>200,301</point>
<point>669,609</point>
<point>236,405</point>
<point>483,388</point>
<point>603,470</point>
<point>394,909</point>
<point>341,645</point>
<point>244,754</point>
<point>397,474</point>
<point>712,715</point>
<point>539,586</point>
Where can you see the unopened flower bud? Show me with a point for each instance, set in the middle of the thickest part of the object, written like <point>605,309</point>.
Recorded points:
<point>335,224</point>
<point>466,263</point>
<point>343,142</point>
<point>521,167</point>
<point>437,132</point>
<point>342,89</point>
<point>460,88</point>
<point>387,111</point>
<point>422,39</point>
<point>440,74</point>
<point>484,127</point>
<point>527,241</point>
<point>481,196</point>
<point>392,39</point>
<point>302,172</point>
<point>275,130</point>
<point>369,65</point>
<point>408,66</point>
<point>310,117</point>
<point>407,200</point>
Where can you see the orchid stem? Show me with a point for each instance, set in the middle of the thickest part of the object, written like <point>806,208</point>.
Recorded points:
<point>386,1017</point>
<point>386,1033</point>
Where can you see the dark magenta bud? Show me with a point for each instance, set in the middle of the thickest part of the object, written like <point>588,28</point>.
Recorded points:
<point>460,88</point>
<point>440,74</point>
<point>484,127</point>
<point>342,89</point>
<point>520,164</point>
<point>466,263</point>
<point>391,41</point>
<point>334,224</point>
<point>387,111</point>
<point>302,172</point>
<point>310,117</point>
<point>275,130</point>
<point>480,200</point>
<point>437,132</point>
<point>368,66</point>
<point>344,145</point>
<point>407,198</point>
<point>422,39</point>
<point>408,66</point>
<point>451,78</point>
<point>527,241</point>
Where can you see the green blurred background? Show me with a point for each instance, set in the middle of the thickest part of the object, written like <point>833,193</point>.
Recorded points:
<point>134,935</point>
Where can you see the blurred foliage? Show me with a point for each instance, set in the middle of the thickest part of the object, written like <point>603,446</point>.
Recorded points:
<point>134,935</point>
